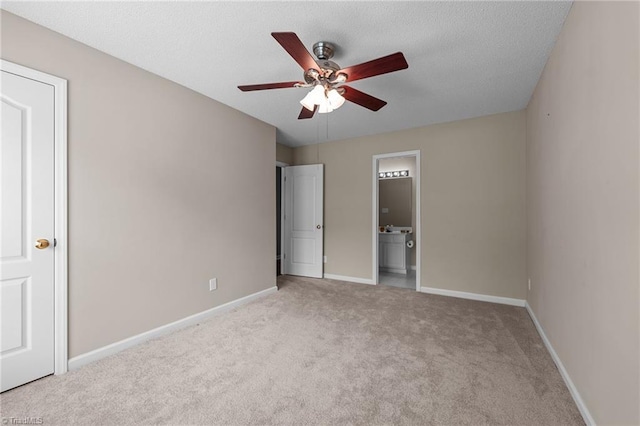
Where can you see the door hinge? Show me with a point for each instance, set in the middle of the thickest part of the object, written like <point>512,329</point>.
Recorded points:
<point>55,242</point>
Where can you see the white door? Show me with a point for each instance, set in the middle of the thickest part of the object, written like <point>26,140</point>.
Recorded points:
<point>26,217</point>
<point>303,225</point>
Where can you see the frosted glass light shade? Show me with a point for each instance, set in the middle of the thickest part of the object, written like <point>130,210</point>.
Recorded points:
<point>324,107</point>
<point>313,98</point>
<point>335,99</point>
<point>326,102</point>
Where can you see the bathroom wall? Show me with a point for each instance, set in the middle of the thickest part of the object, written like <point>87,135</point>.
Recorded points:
<point>403,163</point>
<point>394,196</point>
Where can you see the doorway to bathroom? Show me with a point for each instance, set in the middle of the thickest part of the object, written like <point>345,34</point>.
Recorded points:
<point>279,214</point>
<point>396,218</point>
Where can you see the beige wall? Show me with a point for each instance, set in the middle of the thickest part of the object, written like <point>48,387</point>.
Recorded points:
<point>582,161</point>
<point>472,202</point>
<point>284,154</point>
<point>167,188</point>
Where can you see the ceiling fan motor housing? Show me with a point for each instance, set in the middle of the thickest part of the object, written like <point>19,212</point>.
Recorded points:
<point>324,50</point>
<point>329,65</point>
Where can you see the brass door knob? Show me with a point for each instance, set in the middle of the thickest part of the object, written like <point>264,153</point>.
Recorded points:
<point>42,244</point>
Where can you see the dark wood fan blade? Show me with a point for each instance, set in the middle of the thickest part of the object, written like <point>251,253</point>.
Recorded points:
<point>305,113</point>
<point>362,99</point>
<point>384,65</point>
<point>267,86</point>
<point>296,49</point>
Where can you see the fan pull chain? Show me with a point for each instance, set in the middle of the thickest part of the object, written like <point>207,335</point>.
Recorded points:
<point>327,126</point>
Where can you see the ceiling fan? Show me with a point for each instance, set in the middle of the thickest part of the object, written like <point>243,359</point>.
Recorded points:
<point>327,78</point>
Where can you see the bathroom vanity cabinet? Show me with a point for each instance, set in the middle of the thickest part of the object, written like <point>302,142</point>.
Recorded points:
<point>393,253</point>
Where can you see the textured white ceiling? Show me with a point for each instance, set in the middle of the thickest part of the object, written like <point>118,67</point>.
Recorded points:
<point>466,59</point>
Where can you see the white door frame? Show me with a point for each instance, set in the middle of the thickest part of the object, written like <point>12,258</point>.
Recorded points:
<point>60,206</point>
<point>282,166</point>
<point>417,234</point>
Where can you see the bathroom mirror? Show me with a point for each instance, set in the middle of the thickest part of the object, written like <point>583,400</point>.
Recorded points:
<point>395,201</point>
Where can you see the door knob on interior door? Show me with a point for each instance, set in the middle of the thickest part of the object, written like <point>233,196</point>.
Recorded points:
<point>318,226</point>
<point>42,244</point>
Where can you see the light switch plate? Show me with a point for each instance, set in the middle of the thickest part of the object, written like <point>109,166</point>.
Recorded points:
<point>213,284</point>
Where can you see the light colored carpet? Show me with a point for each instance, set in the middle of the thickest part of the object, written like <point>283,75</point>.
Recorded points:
<point>321,352</point>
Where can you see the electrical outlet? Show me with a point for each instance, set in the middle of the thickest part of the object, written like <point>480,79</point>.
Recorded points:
<point>213,284</point>
<point>324,259</point>
<point>529,284</point>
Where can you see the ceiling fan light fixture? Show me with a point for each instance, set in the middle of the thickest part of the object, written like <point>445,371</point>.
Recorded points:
<point>335,99</point>
<point>306,102</point>
<point>340,78</point>
<point>326,100</point>
<point>313,98</point>
<point>325,106</point>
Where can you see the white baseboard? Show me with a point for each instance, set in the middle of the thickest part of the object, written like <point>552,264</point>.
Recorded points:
<point>474,296</point>
<point>86,358</point>
<point>586,415</point>
<point>349,279</point>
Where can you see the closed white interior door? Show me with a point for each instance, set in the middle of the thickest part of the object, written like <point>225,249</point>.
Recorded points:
<point>303,221</point>
<point>26,216</point>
